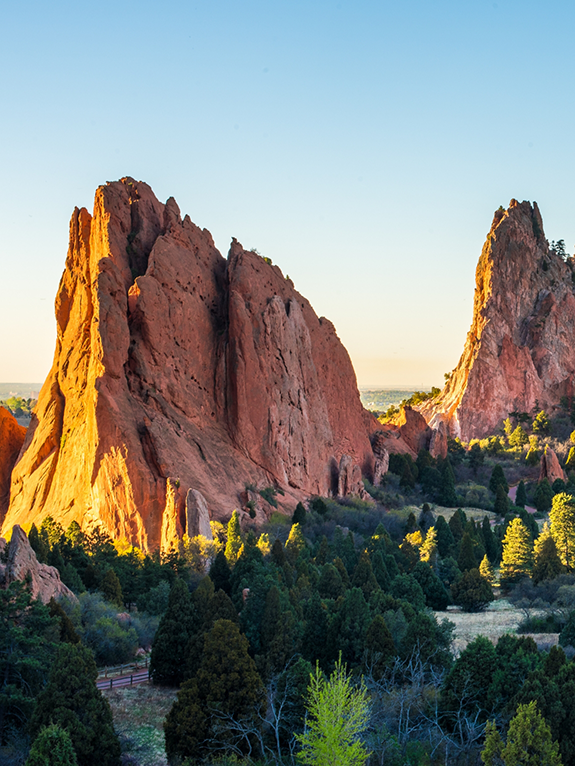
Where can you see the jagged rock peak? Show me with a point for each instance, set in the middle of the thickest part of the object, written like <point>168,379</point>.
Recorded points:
<point>176,369</point>
<point>520,350</point>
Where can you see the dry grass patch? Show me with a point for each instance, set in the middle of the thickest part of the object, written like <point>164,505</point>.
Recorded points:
<point>139,713</point>
<point>499,618</point>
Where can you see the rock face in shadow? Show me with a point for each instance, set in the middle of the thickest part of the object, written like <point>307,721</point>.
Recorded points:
<point>176,369</point>
<point>520,350</point>
<point>22,564</point>
<point>11,440</point>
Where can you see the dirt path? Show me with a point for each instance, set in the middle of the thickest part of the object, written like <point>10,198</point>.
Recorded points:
<point>513,494</point>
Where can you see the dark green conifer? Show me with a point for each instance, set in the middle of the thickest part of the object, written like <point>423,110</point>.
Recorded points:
<point>72,701</point>
<point>521,496</point>
<point>220,573</point>
<point>322,555</point>
<point>363,576</point>
<point>380,571</point>
<point>379,648</point>
<point>501,504</point>
<point>52,747</point>
<point>299,515</point>
<point>436,596</point>
<point>169,649</point>
<point>445,539</point>
<point>489,541</point>
<point>543,498</point>
<point>466,559</point>
<point>330,584</point>
<point>498,479</point>
<point>67,631</point>
<point>111,588</point>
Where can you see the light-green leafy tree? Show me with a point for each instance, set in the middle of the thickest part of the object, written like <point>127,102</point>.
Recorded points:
<point>234,541</point>
<point>517,557</point>
<point>562,517</point>
<point>541,424</point>
<point>529,741</point>
<point>338,714</point>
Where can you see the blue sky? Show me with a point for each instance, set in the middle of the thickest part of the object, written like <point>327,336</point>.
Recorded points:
<point>363,146</point>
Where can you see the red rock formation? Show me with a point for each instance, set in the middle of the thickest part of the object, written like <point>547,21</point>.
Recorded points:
<point>11,441</point>
<point>550,467</point>
<point>174,370</point>
<point>45,580</point>
<point>520,350</point>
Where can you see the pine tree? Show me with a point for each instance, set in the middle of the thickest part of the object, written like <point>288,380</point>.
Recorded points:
<point>517,555</point>
<point>445,539</point>
<point>363,576</point>
<point>379,647</point>
<point>52,747</point>
<point>111,588</point>
<point>447,495</point>
<point>72,701</point>
<point>295,544</point>
<point>436,597</point>
<point>521,496</point>
<point>547,564</point>
<point>220,573</point>
<point>486,570</point>
<point>67,631</point>
<point>498,478</point>
<point>234,541</point>
<point>541,424</point>
<point>299,514</point>
<point>466,559</point>
<point>426,520</point>
<point>169,649</point>
<point>518,439</point>
<point>457,525</point>
<point>348,630</point>
<point>226,684</point>
<point>529,741</point>
<point>380,571</point>
<point>562,517</point>
<point>471,592</point>
<point>501,504</point>
<point>543,497</point>
<point>489,541</point>
<point>330,584</point>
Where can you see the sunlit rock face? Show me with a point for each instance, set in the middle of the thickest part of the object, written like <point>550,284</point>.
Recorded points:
<point>520,350</point>
<point>175,370</point>
<point>11,440</point>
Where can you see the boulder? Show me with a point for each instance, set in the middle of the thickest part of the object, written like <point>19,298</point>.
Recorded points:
<point>519,352</point>
<point>350,482</point>
<point>22,564</point>
<point>197,515</point>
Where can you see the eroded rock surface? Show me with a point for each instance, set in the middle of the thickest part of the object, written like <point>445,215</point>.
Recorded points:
<point>22,563</point>
<point>550,467</point>
<point>172,361</point>
<point>520,350</point>
<point>11,440</point>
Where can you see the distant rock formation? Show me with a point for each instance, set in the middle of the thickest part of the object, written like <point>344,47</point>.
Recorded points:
<point>520,350</point>
<point>11,441</point>
<point>176,370</point>
<point>550,467</point>
<point>22,564</point>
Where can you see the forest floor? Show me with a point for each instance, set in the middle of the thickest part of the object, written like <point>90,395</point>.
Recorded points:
<point>139,713</point>
<point>499,618</point>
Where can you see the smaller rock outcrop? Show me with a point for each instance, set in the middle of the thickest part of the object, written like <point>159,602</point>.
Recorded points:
<point>381,456</point>
<point>438,441</point>
<point>197,515</point>
<point>11,441</point>
<point>413,429</point>
<point>171,526</point>
<point>550,468</point>
<point>22,563</point>
<point>349,483</point>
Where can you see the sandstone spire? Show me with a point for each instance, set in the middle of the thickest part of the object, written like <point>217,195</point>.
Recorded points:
<point>520,350</point>
<point>176,370</point>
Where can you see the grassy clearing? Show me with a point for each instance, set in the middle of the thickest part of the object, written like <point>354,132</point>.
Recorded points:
<point>499,618</point>
<point>139,713</point>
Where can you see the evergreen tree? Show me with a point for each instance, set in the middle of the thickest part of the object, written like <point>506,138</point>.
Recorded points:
<point>330,584</point>
<point>407,588</point>
<point>234,540</point>
<point>278,554</point>
<point>447,495</point>
<point>562,517</point>
<point>467,683</point>
<point>38,545</point>
<point>72,701</point>
<point>547,564</point>
<point>475,457</point>
<point>295,544</point>
<point>220,573</point>
<point>471,592</point>
<point>348,629</point>
<point>363,576</point>
<point>489,541</point>
<point>341,568</point>
<point>466,559</point>
<point>498,479</point>
<point>391,566</point>
<point>486,570</point>
<point>169,649</point>
<point>313,643</point>
<point>543,497</point>
<point>436,596</point>
<point>517,556</point>
<point>276,636</point>
<point>518,439</point>
<point>52,747</point>
<point>445,539</point>
<point>111,588</point>
<point>529,741</point>
<point>226,684</point>
<point>27,646</point>
<point>323,554</point>
<point>501,504</point>
<point>426,520</point>
<point>67,631</point>
<point>299,514</point>
<point>457,525</point>
<point>410,524</point>
<point>541,424</point>
<point>380,571</point>
<point>379,647</point>
<point>521,496</point>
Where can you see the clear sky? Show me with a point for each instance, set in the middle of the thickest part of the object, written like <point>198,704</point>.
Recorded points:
<point>363,146</point>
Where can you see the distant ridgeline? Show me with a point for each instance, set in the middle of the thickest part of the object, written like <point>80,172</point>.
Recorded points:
<point>387,402</point>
